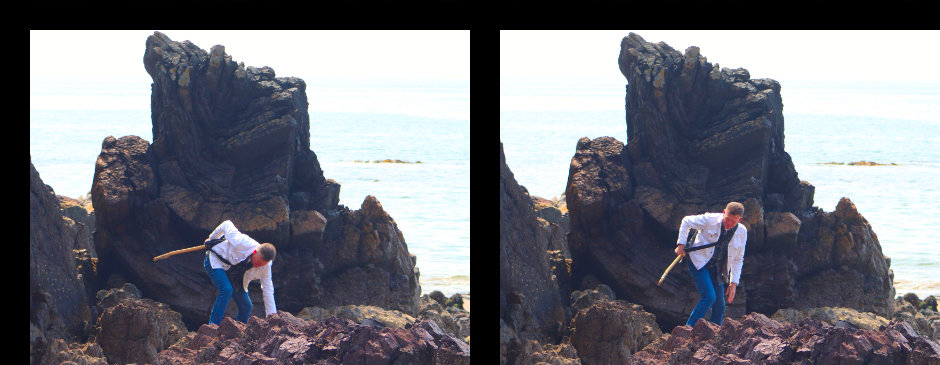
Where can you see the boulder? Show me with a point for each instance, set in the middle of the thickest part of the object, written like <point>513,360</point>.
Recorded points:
<point>607,331</point>
<point>581,299</point>
<point>134,330</point>
<point>233,143</point>
<point>438,297</point>
<point>530,304</point>
<point>924,321</point>
<point>369,264</point>
<point>758,339</point>
<point>284,339</point>
<point>455,301</point>
<point>700,136</point>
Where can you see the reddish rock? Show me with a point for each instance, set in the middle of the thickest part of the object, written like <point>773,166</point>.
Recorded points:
<point>704,330</point>
<point>760,340</point>
<point>285,339</point>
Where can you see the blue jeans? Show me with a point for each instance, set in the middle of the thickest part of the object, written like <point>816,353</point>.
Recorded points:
<point>713,295</point>
<point>224,286</point>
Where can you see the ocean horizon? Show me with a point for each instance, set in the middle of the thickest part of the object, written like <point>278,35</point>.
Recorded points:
<point>350,120</point>
<point>825,122</point>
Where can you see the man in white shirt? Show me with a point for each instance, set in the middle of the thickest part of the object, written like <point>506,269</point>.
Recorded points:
<point>715,258</point>
<point>233,263</point>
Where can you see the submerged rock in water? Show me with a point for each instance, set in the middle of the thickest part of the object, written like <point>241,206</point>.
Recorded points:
<point>233,143</point>
<point>758,339</point>
<point>284,339</point>
<point>860,163</point>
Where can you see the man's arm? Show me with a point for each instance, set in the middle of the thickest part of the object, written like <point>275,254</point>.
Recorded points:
<point>736,253</point>
<point>223,229</point>
<point>267,289</point>
<point>238,241</point>
<point>688,223</point>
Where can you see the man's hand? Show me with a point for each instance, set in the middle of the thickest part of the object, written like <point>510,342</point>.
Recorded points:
<point>731,290</point>
<point>680,250</point>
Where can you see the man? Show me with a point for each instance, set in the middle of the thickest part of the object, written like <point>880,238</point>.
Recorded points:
<point>233,263</point>
<point>715,258</point>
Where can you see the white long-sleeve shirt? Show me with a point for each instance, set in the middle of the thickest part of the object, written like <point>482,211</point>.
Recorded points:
<point>709,227</point>
<point>236,248</point>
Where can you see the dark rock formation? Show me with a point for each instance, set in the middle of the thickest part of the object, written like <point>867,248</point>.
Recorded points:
<point>285,339</point>
<point>530,305</point>
<point>700,136</point>
<point>368,264</point>
<point>758,339</point>
<point>58,303</point>
<point>608,331</point>
<point>134,330</point>
<point>232,142</point>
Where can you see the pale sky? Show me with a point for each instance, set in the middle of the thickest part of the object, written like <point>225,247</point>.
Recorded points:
<point>368,55</point>
<point>783,55</point>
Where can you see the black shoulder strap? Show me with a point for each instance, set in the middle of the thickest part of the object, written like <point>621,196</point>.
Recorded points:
<point>220,257</point>
<point>726,238</point>
<point>212,243</point>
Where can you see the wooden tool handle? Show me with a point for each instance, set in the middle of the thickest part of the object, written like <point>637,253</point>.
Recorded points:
<point>177,252</point>
<point>674,262</point>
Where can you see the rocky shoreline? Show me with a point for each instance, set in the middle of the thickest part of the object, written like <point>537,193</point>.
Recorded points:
<point>580,286</point>
<point>347,289</point>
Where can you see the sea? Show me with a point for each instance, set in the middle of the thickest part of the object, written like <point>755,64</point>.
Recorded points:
<point>892,123</point>
<point>350,120</point>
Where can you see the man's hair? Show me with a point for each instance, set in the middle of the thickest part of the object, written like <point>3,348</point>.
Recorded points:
<point>267,251</point>
<point>735,208</point>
